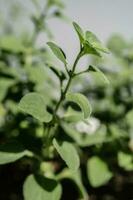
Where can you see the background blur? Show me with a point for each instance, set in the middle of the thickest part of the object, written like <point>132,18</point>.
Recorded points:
<point>102,17</point>
<point>104,141</point>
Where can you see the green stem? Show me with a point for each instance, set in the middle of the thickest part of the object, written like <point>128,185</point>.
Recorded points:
<point>79,73</point>
<point>62,97</point>
<point>71,74</point>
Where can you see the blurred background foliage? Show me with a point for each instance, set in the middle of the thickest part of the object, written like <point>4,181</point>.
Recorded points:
<point>104,141</point>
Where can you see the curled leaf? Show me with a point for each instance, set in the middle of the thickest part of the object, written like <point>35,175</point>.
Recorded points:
<point>81,101</point>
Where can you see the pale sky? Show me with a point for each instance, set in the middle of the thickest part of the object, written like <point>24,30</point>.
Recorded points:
<point>103,17</point>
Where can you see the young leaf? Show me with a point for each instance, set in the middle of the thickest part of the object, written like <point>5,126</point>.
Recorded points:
<point>10,152</point>
<point>79,32</point>
<point>88,49</point>
<point>58,52</point>
<point>68,153</point>
<point>81,101</point>
<point>37,187</point>
<point>98,172</point>
<point>95,42</point>
<point>34,104</point>
<point>95,69</point>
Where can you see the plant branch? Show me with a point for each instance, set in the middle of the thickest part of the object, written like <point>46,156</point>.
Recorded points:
<point>71,75</point>
<point>82,72</point>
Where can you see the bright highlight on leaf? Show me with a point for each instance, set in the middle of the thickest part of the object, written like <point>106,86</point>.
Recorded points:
<point>68,153</point>
<point>98,172</point>
<point>81,101</point>
<point>39,188</point>
<point>95,42</point>
<point>34,104</point>
<point>58,52</point>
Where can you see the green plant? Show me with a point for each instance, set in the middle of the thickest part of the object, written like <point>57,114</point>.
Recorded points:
<point>40,139</point>
<point>34,104</point>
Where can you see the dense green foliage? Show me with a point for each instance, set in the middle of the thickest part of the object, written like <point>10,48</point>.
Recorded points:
<point>84,136</point>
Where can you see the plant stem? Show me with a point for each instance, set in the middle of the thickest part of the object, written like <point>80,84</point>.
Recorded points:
<point>82,72</point>
<point>62,97</point>
<point>71,74</point>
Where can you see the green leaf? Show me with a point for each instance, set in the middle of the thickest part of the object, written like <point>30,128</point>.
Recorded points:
<point>125,161</point>
<point>81,101</point>
<point>68,153</point>
<point>10,152</point>
<point>37,187</point>
<point>95,69</point>
<point>95,42</point>
<point>79,32</point>
<point>98,172</point>
<point>73,116</point>
<point>34,104</point>
<point>58,52</point>
<point>88,49</point>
